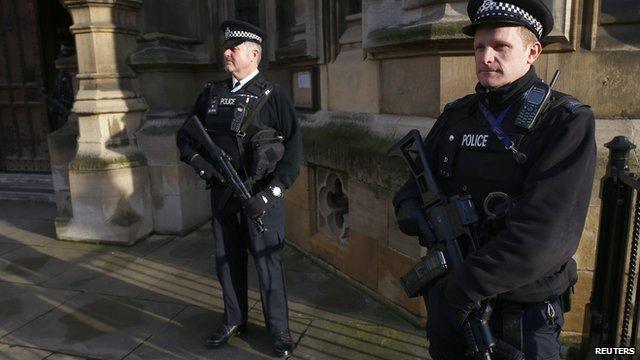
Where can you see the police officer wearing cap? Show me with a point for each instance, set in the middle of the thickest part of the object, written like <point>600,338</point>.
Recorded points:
<point>254,122</point>
<point>527,160</point>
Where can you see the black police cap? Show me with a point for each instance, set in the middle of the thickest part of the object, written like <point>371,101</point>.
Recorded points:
<point>237,31</point>
<point>532,14</point>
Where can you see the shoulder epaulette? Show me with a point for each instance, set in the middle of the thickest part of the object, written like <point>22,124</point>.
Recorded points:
<point>258,86</point>
<point>566,101</point>
<point>573,104</point>
<point>462,102</point>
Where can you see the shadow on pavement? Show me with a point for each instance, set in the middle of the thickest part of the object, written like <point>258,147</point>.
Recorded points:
<point>159,299</point>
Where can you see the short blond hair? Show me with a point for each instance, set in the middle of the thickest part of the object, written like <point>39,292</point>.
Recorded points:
<point>528,37</point>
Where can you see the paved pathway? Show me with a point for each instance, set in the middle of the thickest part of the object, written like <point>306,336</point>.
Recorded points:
<point>159,299</point>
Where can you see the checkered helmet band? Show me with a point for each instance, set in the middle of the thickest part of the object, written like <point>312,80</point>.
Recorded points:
<point>493,8</point>
<point>228,34</point>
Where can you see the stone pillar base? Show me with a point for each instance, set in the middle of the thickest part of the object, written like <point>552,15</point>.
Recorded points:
<point>111,206</point>
<point>180,202</point>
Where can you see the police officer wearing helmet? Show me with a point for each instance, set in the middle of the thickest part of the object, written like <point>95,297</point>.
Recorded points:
<point>254,122</point>
<point>530,178</point>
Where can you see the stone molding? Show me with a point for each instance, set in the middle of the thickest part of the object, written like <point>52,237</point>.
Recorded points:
<point>158,36</point>
<point>414,4</point>
<point>133,4</point>
<point>399,28</point>
<point>104,28</point>
<point>387,125</point>
<point>179,39</point>
<point>161,57</point>
<point>364,140</point>
<point>305,35</point>
<point>428,27</point>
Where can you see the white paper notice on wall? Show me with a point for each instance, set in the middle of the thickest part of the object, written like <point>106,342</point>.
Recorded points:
<point>304,80</point>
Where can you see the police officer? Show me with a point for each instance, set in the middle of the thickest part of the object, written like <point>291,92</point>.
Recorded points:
<point>254,122</point>
<point>530,179</point>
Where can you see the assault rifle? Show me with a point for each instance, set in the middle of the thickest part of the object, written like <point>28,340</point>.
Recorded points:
<point>222,163</point>
<point>448,226</point>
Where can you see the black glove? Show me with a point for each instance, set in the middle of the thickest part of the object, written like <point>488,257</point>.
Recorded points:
<point>461,305</point>
<point>259,203</point>
<point>407,216</point>
<point>412,221</point>
<point>204,169</point>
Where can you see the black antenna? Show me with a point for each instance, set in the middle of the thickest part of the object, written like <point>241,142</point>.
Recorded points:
<point>554,80</point>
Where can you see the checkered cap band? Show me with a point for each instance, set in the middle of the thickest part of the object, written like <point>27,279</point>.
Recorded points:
<point>493,8</point>
<point>228,34</point>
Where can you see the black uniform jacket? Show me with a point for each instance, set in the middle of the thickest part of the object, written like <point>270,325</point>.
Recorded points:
<point>528,256</point>
<point>278,112</point>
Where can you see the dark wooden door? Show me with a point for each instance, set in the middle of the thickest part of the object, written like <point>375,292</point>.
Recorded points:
<point>23,118</point>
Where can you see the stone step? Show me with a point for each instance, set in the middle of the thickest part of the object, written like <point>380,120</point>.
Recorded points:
<point>17,179</point>
<point>26,187</point>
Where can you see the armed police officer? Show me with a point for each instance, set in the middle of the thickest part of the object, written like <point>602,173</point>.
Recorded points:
<point>254,122</point>
<point>526,155</point>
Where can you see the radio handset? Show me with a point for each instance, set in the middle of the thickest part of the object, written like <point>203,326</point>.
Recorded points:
<point>535,100</point>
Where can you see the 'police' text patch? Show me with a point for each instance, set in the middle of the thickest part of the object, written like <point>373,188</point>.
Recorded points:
<point>475,141</point>
<point>227,101</point>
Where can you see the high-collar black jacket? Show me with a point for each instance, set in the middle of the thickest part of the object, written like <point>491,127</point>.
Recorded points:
<point>528,256</point>
<point>278,113</point>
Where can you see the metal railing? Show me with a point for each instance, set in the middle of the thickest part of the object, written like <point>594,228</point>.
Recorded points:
<point>612,315</point>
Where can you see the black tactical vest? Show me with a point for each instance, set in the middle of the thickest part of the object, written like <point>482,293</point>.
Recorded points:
<point>471,160</point>
<point>228,115</point>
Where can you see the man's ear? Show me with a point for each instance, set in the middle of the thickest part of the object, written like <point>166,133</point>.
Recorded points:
<point>534,52</point>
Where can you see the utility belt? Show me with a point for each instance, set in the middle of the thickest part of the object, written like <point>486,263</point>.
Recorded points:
<point>513,311</point>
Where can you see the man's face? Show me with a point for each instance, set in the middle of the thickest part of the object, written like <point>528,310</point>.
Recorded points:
<point>501,55</point>
<point>239,59</point>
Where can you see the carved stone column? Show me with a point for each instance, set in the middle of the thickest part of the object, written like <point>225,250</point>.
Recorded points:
<point>108,178</point>
<point>175,46</point>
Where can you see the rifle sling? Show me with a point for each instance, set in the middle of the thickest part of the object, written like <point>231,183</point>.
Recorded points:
<point>251,124</point>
